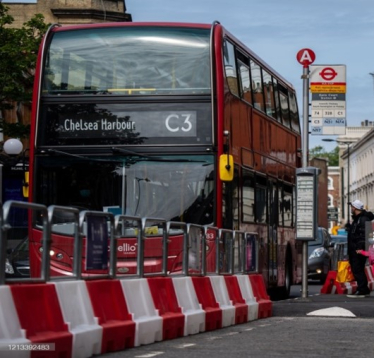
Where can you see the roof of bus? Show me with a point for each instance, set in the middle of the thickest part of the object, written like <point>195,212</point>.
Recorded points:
<point>176,24</point>
<point>130,24</point>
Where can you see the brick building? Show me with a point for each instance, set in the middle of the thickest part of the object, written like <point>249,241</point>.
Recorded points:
<point>68,11</point>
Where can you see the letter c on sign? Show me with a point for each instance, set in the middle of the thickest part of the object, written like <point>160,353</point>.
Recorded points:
<point>167,123</point>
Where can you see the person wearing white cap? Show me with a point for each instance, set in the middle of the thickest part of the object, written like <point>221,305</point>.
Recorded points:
<point>356,243</point>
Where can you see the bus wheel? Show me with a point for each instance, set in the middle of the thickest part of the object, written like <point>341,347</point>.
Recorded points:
<point>287,278</point>
<point>283,292</point>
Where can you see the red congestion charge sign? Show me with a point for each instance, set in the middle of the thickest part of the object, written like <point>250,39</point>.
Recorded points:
<point>306,56</point>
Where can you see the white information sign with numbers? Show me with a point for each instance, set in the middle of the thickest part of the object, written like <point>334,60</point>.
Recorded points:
<point>306,203</point>
<point>328,88</point>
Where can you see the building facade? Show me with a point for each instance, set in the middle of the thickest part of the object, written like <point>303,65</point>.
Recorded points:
<point>361,170</point>
<point>64,12</point>
<point>67,12</point>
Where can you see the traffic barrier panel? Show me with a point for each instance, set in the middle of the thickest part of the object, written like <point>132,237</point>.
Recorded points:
<point>78,314</point>
<point>165,300</point>
<point>109,305</point>
<point>370,277</point>
<point>10,328</point>
<point>40,315</point>
<point>205,295</point>
<point>249,298</point>
<point>223,299</point>
<point>265,305</point>
<point>140,305</point>
<point>334,287</point>
<point>329,283</point>
<point>194,315</point>
<point>235,295</point>
<point>344,288</point>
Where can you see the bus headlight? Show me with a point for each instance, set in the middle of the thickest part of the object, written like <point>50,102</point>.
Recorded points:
<point>51,252</point>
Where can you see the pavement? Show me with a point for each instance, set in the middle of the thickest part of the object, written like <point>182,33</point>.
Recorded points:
<point>325,305</point>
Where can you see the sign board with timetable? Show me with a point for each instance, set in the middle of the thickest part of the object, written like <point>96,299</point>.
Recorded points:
<point>306,203</point>
<point>328,88</point>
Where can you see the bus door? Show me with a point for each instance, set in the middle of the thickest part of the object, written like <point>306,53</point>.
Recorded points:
<point>272,231</point>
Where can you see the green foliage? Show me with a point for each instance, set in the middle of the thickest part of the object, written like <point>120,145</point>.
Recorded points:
<point>320,152</point>
<point>15,130</point>
<point>18,54</point>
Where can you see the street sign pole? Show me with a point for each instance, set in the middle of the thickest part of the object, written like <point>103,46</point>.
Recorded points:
<point>304,291</point>
<point>305,57</point>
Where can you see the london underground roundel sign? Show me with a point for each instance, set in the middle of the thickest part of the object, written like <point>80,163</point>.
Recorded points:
<point>306,56</point>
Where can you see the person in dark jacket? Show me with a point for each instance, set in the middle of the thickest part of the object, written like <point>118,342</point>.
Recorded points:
<point>356,241</point>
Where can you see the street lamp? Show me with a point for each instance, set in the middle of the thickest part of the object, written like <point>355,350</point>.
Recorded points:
<point>348,144</point>
<point>11,153</point>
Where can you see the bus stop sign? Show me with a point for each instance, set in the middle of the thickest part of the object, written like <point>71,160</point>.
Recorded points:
<point>306,57</point>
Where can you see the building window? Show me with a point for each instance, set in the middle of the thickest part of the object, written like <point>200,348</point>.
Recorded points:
<point>330,200</point>
<point>330,184</point>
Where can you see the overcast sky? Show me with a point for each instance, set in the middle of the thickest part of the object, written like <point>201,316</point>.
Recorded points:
<point>338,31</point>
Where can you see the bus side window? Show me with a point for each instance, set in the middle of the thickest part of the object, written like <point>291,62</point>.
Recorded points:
<point>285,110</point>
<point>230,67</point>
<point>295,123</point>
<point>269,94</point>
<point>248,197</point>
<point>258,95</point>
<point>280,204</point>
<point>287,205</point>
<point>278,114</point>
<point>245,82</point>
<point>230,202</point>
<point>260,199</point>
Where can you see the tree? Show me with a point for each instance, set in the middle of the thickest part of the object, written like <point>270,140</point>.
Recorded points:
<point>320,152</point>
<point>18,54</point>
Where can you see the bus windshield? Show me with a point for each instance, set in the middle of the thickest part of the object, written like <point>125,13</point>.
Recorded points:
<point>167,187</point>
<point>128,61</point>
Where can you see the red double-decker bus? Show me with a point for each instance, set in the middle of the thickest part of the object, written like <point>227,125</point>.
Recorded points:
<point>139,118</point>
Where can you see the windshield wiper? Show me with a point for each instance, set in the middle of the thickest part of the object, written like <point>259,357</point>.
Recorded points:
<point>91,159</point>
<point>135,157</point>
<point>154,159</point>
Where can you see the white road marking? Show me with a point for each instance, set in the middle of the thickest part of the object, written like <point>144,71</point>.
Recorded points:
<point>332,312</point>
<point>150,355</point>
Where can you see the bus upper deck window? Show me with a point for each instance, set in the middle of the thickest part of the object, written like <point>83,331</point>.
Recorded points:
<point>230,67</point>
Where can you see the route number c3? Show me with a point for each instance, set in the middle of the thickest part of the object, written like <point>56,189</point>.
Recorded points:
<point>186,126</point>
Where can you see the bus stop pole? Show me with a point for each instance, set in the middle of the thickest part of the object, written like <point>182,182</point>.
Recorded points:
<point>305,149</point>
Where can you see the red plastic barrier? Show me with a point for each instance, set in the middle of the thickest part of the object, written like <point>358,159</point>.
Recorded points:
<point>40,315</point>
<point>329,282</point>
<point>241,308</point>
<point>109,305</point>
<point>165,300</point>
<point>265,305</point>
<point>205,295</point>
<point>332,286</point>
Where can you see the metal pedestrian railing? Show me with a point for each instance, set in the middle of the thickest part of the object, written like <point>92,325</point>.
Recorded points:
<point>93,236</point>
